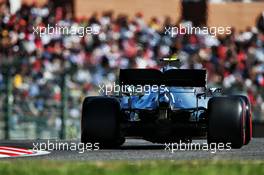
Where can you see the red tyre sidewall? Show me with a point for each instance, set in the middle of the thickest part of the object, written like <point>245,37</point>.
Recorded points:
<point>243,123</point>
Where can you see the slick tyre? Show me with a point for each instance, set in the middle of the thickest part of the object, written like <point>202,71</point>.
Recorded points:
<point>226,121</point>
<point>248,120</point>
<point>100,122</point>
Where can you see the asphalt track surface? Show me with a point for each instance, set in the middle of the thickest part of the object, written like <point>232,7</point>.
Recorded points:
<point>136,149</point>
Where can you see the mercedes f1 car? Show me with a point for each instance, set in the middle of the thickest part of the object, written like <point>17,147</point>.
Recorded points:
<point>175,106</point>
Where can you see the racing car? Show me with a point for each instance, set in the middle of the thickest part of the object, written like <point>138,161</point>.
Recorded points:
<point>166,105</point>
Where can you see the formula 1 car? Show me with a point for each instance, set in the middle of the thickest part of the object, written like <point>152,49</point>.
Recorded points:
<point>167,105</point>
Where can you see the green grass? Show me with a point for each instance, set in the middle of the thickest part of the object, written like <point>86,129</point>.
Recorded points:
<point>211,167</point>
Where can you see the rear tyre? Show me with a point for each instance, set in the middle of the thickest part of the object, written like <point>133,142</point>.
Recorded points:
<point>226,121</point>
<point>248,119</point>
<point>100,122</point>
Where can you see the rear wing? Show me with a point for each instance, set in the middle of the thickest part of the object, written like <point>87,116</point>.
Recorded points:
<point>172,77</point>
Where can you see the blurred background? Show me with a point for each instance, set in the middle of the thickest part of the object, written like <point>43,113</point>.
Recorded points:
<point>43,80</point>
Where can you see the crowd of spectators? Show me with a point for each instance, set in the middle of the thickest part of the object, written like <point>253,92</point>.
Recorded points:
<point>234,62</point>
